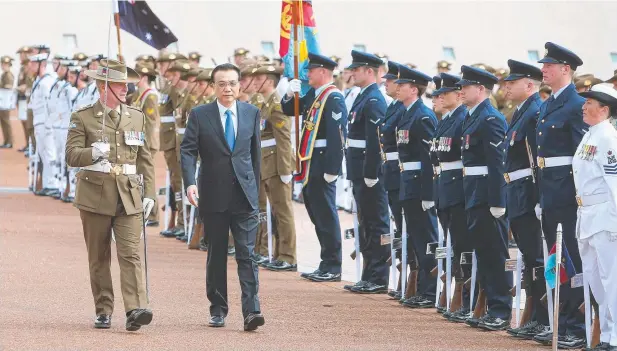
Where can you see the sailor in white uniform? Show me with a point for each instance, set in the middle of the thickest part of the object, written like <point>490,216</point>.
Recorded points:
<point>595,177</point>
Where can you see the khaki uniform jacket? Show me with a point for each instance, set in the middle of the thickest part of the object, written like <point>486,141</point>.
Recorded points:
<point>100,192</point>
<point>257,100</point>
<point>149,106</point>
<point>168,129</point>
<point>188,101</point>
<point>279,159</point>
<point>207,99</point>
<point>7,80</point>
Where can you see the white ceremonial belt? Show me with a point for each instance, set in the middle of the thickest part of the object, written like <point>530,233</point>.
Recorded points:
<point>114,168</point>
<point>268,143</point>
<point>475,170</point>
<point>516,175</point>
<point>554,161</point>
<point>359,144</point>
<point>411,166</point>
<point>448,166</point>
<point>436,170</point>
<point>321,143</point>
<point>168,119</point>
<point>180,130</point>
<point>590,200</point>
<point>391,156</point>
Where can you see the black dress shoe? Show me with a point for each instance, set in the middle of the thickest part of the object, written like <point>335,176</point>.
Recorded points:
<point>231,251</point>
<point>545,338</point>
<point>306,275</point>
<point>446,314</point>
<point>23,149</point>
<point>325,277</point>
<point>472,322</point>
<point>392,293</point>
<point>603,346</point>
<point>216,321</point>
<point>441,309</point>
<point>422,302</point>
<point>203,246</point>
<point>280,266</point>
<point>57,196</point>
<point>410,301</point>
<point>169,233</point>
<point>6,146</point>
<point>529,330</point>
<point>570,341</point>
<point>151,223</point>
<point>253,321</point>
<point>178,231</point>
<point>102,321</point>
<point>138,317</point>
<point>491,323</point>
<point>361,283</point>
<point>183,238</point>
<point>459,316</point>
<point>370,288</point>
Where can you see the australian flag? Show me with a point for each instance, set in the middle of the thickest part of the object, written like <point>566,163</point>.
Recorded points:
<point>137,19</point>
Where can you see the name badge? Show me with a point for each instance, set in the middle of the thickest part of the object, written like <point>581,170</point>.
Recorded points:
<point>134,138</point>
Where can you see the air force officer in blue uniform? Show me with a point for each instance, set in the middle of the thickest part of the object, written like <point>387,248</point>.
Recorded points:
<point>415,132</point>
<point>364,170</point>
<point>319,191</point>
<point>485,201</point>
<point>559,131</point>
<point>521,190</point>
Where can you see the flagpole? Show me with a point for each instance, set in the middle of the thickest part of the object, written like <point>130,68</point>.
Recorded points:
<point>295,21</point>
<point>117,20</point>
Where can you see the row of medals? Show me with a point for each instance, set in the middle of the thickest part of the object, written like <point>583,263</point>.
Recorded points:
<point>444,144</point>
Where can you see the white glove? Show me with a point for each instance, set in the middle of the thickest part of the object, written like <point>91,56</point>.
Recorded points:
<point>538,210</point>
<point>148,205</point>
<point>286,179</point>
<point>370,182</point>
<point>100,150</point>
<point>329,177</point>
<point>193,195</point>
<point>426,205</point>
<point>295,86</point>
<point>498,211</point>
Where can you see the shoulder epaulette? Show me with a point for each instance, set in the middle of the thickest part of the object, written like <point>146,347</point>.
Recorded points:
<point>84,108</point>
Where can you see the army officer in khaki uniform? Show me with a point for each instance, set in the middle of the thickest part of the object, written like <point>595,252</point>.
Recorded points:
<point>277,165</point>
<point>6,82</point>
<point>146,99</point>
<point>107,141</point>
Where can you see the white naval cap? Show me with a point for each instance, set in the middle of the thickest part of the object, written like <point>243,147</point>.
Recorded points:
<point>38,57</point>
<point>604,93</point>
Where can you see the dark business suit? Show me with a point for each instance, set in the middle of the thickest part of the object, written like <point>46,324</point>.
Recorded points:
<point>228,188</point>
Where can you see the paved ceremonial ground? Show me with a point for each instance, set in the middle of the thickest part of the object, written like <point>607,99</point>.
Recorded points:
<point>46,303</point>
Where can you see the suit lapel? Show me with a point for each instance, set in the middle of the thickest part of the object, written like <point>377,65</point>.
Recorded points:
<point>215,121</point>
<point>560,100</point>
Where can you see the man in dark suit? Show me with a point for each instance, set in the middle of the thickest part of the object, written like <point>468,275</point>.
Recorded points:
<point>225,135</point>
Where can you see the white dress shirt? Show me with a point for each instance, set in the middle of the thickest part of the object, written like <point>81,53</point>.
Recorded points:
<point>234,116</point>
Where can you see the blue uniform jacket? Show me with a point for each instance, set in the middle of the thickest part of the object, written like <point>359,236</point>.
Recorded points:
<point>366,115</point>
<point>483,139</point>
<point>332,128</point>
<point>559,131</point>
<point>415,132</point>
<point>522,194</point>
<point>391,170</point>
<point>450,183</point>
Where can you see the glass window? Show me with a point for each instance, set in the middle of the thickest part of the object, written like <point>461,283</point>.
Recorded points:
<point>533,55</point>
<point>359,47</point>
<point>70,42</point>
<point>614,57</point>
<point>448,54</point>
<point>267,48</point>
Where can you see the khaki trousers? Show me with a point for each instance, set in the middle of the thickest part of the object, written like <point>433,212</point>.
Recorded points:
<point>279,195</point>
<point>154,214</point>
<point>97,234</point>
<point>173,164</point>
<point>5,124</point>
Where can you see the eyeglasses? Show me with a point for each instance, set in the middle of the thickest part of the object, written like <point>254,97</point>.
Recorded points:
<point>223,84</point>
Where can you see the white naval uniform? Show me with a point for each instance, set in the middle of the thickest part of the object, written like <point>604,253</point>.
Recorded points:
<point>54,115</point>
<point>64,109</point>
<point>595,178</point>
<point>43,131</point>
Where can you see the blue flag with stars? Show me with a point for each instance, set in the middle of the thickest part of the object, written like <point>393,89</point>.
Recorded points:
<point>137,19</point>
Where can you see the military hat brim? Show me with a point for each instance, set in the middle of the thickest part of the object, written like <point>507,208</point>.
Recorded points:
<point>515,76</point>
<point>601,97</point>
<point>444,90</point>
<point>466,82</point>
<point>390,76</point>
<point>131,76</point>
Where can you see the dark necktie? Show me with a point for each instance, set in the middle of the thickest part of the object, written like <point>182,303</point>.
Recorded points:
<point>114,116</point>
